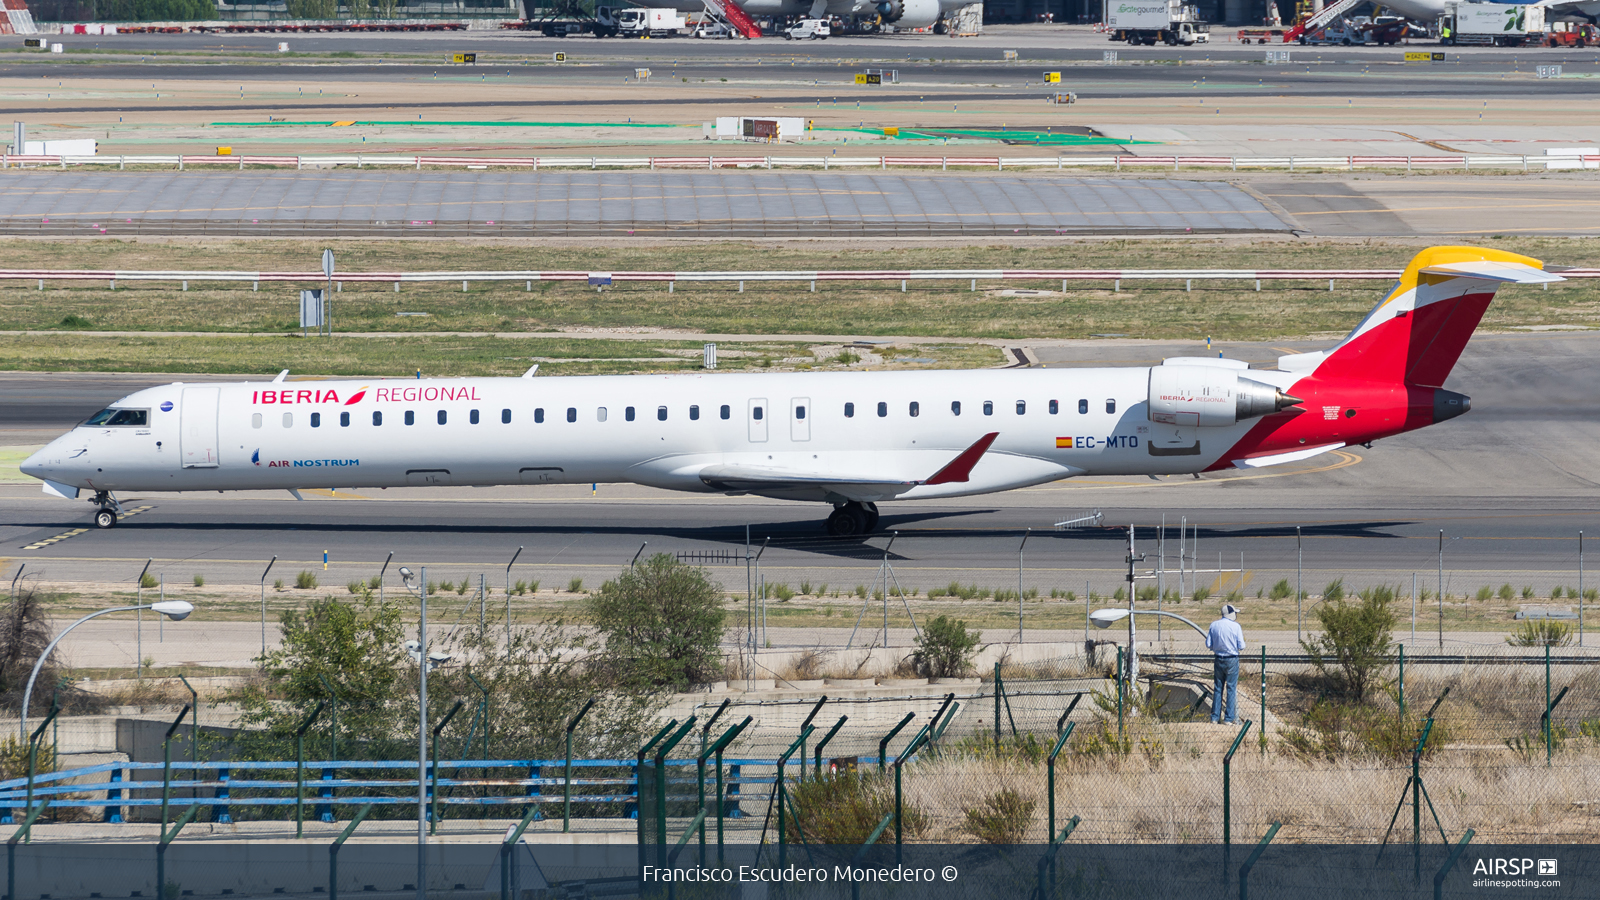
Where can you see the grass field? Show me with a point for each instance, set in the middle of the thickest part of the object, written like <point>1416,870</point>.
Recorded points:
<point>1223,310</point>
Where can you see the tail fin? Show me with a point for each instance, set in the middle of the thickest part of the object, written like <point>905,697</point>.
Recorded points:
<point>1416,334</point>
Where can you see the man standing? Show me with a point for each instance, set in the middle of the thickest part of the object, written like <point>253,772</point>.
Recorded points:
<point>1226,640</point>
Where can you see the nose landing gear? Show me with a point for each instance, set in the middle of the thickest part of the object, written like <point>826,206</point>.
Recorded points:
<point>851,519</point>
<point>109,512</point>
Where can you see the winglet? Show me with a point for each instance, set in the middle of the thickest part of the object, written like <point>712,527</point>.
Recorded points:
<point>282,377</point>
<point>960,468</point>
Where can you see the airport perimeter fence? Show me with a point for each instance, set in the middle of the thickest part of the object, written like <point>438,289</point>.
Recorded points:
<point>1506,743</point>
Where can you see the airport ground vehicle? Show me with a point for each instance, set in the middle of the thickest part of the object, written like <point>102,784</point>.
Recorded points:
<point>848,439</point>
<point>1150,22</point>
<point>711,29</point>
<point>1491,24</point>
<point>806,29</point>
<point>638,22</point>
<point>1571,34</point>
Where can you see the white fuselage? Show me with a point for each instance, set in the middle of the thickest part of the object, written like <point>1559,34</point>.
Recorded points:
<point>838,437</point>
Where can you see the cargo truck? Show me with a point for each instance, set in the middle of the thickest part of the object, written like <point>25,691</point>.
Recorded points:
<point>1149,21</point>
<point>630,21</point>
<point>1491,25</point>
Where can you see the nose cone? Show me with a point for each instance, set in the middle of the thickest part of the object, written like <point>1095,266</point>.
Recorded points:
<point>34,465</point>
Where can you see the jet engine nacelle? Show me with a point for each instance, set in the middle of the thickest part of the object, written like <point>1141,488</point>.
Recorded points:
<point>909,13</point>
<point>1210,396</point>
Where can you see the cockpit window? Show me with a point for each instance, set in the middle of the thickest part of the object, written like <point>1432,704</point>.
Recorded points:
<point>136,418</point>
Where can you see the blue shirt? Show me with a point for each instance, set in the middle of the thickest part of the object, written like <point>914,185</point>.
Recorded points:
<point>1225,638</point>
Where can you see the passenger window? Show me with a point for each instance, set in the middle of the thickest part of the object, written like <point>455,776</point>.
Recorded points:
<point>255,420</point>
<point>726,412</point>
<point>411,417</point>
<point>316,420</point>
<point>799,412</point>
<point>883,409</point>
<point>988,407</point>
<point>377,418</point>
<point>756,411</point>
<point>572,414</point>
<point>916,409</point>
<point>443,417</point>
<point>538,416</point>
<point>1083,407</point>
<point>955,407</point>
<point>627,414</point>
<point>600,414</point>
<point>661,414</point>
<point>694,413</point>
<point>288,420</point>
<point>1111,406</point>
<point>473,417</point>
<point>344,420</point>
<point>505,417</point>
<point>1055,407</point>
<point>1022,407</point>
<point>849,410</point>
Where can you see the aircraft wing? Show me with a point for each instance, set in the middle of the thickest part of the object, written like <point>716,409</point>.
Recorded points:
<point>1586,8</point>
<point>738,477</point>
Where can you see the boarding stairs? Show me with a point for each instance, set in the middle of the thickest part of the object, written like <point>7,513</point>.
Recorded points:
<point>1329,13</point>
<point>728,13</point>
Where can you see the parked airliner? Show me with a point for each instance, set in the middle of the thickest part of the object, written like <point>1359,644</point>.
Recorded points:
<point>849,439</point>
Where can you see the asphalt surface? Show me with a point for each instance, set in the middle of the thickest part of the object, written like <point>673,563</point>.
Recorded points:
<point>1511,484</point>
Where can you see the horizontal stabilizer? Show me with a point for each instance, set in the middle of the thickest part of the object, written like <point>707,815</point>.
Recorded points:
<point>1493,270</point>
<point>1278,459</point>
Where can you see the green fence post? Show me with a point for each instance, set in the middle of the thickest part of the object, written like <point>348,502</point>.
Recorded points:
<point>22,834</point>
<point>823,743</point>
<point>1119,694</point>
<point>433,770</point>
<point>1227,801</point>
<point>883,745</point>
<point>1450,863</point>
<point>166,766</point>
<point>781,793</point>
<point>1261,735</point>
<point>638,792</point>
<point>715,749</point>
<point>333,737</point>
<point>899,764</point>
<point>661,788</point>
<point>33,751</point>
<point>807,724</point>
<point>333,850</point>
<point>482,715</point>
<point>1548,726</point>
<point>300,768</point>
<point>1047,863</point>
<point>566,786</point>
<point>510,842</point>
<point>997,689</point>
<point>161,849</point>
<point>1050,766</point>
<point>855,885</point>
<point>1547,741</point>
<point>1244,870</point>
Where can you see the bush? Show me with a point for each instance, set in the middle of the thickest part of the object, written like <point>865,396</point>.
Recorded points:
<point>199,581</point>
<point>575,586</point>
<point>805,588</point>
<point>1353,649</point>
<point>1486,593</point>
<point>1281,590</point>
<point>945,648</point>
<point>1002,819</point>
<point>373,583</point>
<point>843,809</point>
<point>1201,594</point>
<point>662,621</point>
<point>306,580</point>
<point>1541,633</point>
<point>783,592</point>
<point>462,587</point>
<point>355,587</point>
<point>147,580</point>
<point>1334,731</point>
<point>277,584</point>
<point>1334,592</point>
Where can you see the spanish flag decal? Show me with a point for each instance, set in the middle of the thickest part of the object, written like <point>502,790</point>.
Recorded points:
<point>1063,442</point>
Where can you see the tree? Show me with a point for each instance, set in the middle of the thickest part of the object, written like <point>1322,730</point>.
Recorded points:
<point>662,622</point>
<point>24,633</point>
<point>945,648</point>
<point>1353,649</point>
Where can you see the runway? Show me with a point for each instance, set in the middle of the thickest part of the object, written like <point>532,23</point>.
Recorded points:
<point>1510,484</point>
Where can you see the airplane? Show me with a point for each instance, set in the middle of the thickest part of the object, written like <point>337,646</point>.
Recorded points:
<point>1428,11</point>
<point>899,13</point>
<point>852,440</point>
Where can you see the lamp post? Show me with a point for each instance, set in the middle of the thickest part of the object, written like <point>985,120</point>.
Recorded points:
<point>424,660</point>
<point>176,610</point>
<point>264,610</point>
<point>1105,618</point>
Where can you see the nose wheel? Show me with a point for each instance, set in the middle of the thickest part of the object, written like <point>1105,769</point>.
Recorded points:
<point>105,518</point>
<point>852,519</point>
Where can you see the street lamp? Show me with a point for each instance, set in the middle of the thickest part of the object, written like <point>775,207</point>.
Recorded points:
<point>176,610</point>
<point>420,654</point>
<point>1105,618</point>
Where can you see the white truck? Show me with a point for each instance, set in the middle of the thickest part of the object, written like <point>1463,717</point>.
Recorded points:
<point>1491,24</point>
<point>632,21</point>
<point>1149,21</point>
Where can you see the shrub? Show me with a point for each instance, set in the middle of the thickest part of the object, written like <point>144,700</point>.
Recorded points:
<point>1527,592</point>
<point>844,808</point>
<point>306,580</point>
<point>822,590</point>
<point>662,621</point>
<point>1281,590</point>
<point>805,588</point>
<point>76,321</point>
<point>575,586</point>
<point>1002,818</point>
<point>935,593</point>
<point>1201,594</point>
<point>1486,593</point>
<point>783,592</point>
<point>373,583</point>
<point>1354,647</point>
<point>1555,593</point>
<point>945,648</point>
<point>149,581</point>
<point>355,587</point>
<point>1334,592</point>
<point>1333,731</point>
<point>1146,594</point>
<point>520,588</point>
<point>199,581</point>
<point>1540,633</point>
<point>462,587</point>
<point>277,584</point>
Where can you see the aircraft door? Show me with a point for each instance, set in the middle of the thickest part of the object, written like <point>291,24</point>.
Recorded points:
<point>1175,435</point>
<point>800,419</point>
<point>758,421</point>
<point>198,428</point>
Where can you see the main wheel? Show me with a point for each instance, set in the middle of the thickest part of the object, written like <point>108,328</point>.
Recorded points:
<point>105,518</point>
<point>847,521</point>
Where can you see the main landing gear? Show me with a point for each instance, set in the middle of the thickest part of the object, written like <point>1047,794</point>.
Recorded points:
<point>851,519</point>
<point>108,513</point>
